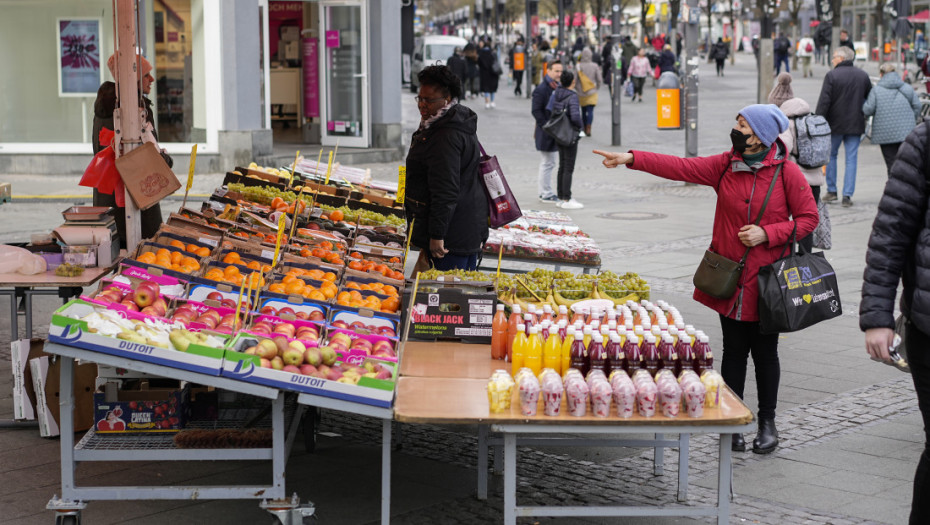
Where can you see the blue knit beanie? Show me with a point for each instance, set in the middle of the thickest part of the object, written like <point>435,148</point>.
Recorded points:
<point>766,121</point>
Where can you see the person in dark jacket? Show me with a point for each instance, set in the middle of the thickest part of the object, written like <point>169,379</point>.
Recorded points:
<point>741,178</point>
<point>471,60</point>
<point>459,66</point>
<point>844,91</point>
<point>104,105</point>
<point>565,99</point>
<point>489,77</point>
<point>666,60</point>
<point>545,144</point>
<point>899,251</point>
<point>781,47</point>
<point>719,52</point>
<point>444,199</point>
<point>845,41</point>
<point>518,63</point>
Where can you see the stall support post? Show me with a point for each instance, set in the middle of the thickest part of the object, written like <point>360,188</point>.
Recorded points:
<point>278,457</point>
<point>66,427</point>
<point>690,84</point>
<point>483,462</point>
<point>615,80</point>
<point>683,450</point>
<point>127,118</point>
<point>724,473</point>
<point>386,471</point>
<point>658,463</point>
<point>510,478</point>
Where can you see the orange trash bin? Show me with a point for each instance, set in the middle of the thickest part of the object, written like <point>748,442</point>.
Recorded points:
<point>668,101</point>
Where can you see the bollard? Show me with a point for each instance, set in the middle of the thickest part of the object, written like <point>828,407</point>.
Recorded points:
<point>668,101</point>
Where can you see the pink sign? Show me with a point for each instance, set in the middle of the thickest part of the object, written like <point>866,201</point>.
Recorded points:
<point>332,38</point>
<point>311,77</point>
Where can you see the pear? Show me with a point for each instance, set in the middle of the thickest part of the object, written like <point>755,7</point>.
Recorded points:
<point>180,341</point>
<point>131,337</point>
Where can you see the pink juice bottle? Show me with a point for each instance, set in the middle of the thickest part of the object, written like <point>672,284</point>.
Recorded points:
<point>563,328</point>
<point>579,356</point>
<point>528,321</point>
<point>547,313</point>
<point>703,356</point>
<point>615,357</point>
<point>685,352</point>
<point>669,355</point>
<point>650,355</point>
<point>563,314</point>
<point>632,352</point>
<point>597,354</point>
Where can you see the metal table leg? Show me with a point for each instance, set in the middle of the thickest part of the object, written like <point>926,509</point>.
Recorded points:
<point>724,471</point>
<point>14,317</point>
<point>278,456</point>
<point>658,461</point>
<point>683,450</point>
<point>483,462</point>
<point>498,460</point>
<point>510,479</point>
<point>386,471</point>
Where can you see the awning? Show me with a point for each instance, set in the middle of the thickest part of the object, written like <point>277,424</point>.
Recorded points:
<point>921,17</point>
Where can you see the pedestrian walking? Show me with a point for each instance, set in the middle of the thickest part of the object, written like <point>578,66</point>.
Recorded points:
<point>545,144</point>
<point>846,42</point>
<point>639,68</point>
<point>805,55</point>
<point>742,178</point>
<point>471,59</point>
<point>844,90</point>
<point>782,46</point>
<point>564,98</point>
<point>719,52</point>
<point>540,59</point>
<point>628,51</point>
<point>898,251</point>
<point>459,66</point>
<point>782,95</point>
<point>517,66</point>
<point>894,108</point>
<point>444,194</point>
<point>666,60</point>
<point>588,83</point>
<point>489,72</point>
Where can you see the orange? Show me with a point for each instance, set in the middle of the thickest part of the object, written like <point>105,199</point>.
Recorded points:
<point>163,261</point>
<point>394,260</point>
<point>355,255</point>
<point>329,276</point>
<point>187,269</point>
<point>354,294</point>
<point>190,261</point>
<point>147,258</point>
<point>343,298</point>
<point>289,278</point>
<point>190,248</point>
<point>176,243</point>
<point>356,265</point>
<point>294,287</point>
<point>336,215</point>
<point>256,280</point>
<point>391,304</point>
<point>265,268</point>
<point>176,257</point>
<point>317,295</point>
<point>231,258</point>
<point>231,271</point>
<point>338,262</point>
<point>277,288</point>
<point>353,285</point>
<point>214,274</point>
<point>202,251</point>
<point>163,252</point>
<point>254,265</point>
<point>277,202</point>
<point>329,291</point>
<point>305,252</point>
<point>318,252</point>
<point>389,290</point>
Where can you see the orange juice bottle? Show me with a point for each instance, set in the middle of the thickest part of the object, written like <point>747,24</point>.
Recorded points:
<point>499,334</point>
<point>566,350</point>
<point>552,352</point>
<point>518,351</point>
<point>533,354</point>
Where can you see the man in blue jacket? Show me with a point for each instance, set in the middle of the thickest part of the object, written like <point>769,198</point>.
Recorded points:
<point>545,144</point>
<point>841,97</point>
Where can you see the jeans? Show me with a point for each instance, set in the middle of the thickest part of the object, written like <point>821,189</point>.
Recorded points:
<point>779,59</point>
<point>451,261</point>
<point>740,339</point>
<point>567,155</point>
<point>548,165</point>
<point>518,82</point>
<point>489,95</point>
<point>587,115</point>
<point>638,86</point>
<point>918,358</point>
<point>889,152</point>
<point>851,143</point>
<point>807,243</point>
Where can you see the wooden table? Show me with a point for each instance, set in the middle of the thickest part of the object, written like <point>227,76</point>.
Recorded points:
<point>446,383</point>
<point>17,285</point>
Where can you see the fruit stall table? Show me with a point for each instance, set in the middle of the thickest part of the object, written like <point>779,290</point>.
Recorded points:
<point>17,285</point>
<point>453,390</point>
<point>160,446</point>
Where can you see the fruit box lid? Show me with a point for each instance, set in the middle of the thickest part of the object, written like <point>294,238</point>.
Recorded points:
<point>166,234</point>
<point>365,315</point>
<point>294,300</point>
<point>278,304</point>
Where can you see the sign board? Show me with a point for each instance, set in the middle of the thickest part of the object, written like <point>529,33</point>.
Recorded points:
<point>80,70</point>
<point>862,50</point>
<point>332,38</point>
<point>311,77</point>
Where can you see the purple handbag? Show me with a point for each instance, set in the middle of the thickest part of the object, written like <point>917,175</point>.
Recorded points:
<point>502,205</point>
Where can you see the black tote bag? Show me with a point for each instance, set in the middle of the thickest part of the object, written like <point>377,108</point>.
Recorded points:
<point>797,291</point>
<point>560,128</point>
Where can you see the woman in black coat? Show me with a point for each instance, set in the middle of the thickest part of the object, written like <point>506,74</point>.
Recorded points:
<point>487,58</point>
<point>444,199</point>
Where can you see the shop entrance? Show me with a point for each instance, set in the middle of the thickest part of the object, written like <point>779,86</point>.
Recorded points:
<point>344,110</point>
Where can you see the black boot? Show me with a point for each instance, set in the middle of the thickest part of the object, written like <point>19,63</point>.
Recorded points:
<point>767,439</point>
<point>739,444</point>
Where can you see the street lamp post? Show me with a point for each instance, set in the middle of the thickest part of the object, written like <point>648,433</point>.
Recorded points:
<point>692,31</point>
<point>615,76</point>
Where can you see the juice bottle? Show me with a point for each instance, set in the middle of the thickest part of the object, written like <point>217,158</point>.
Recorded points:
<point>597,354</point>
<point>565,353</point>
<point>528,321</point>
<point>595,326</point>
<point>605,329</point>
<point>578,317</point>
<point>653,318</point>
<point>518,351</point>
<point>669,355</point>
<point>689,329</point>
<point>657,333</point>
<point>532,311</point>
<point>595,315</point>
<point>634,359</point>
<point>637,318</point>
<point>552,352</point>
<point>673,331</point>
<point>563,314</point>
<point>650,355</point>
<point>615,357</point>
<point>703,356</point>
<point>547,313</point>
<point>579,356</point>
<point>499,334</point>
<point>563,328</point>
<point>543,330</point>
<point>611,316</point>
<point>685,352</point>
<point>586,331</point>
<point>532,358</point>
<point>512,323</point>
<point>640,334</point>
<point>612,325</point>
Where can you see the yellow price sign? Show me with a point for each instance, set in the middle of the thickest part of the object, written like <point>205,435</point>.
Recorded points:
<point>239,302</point>
<point>500,256</point>
<point>409,236</point>
<point>294,167</point>
<point>319,159</point>
<point>297,203</point>
<point>190,170</point>
<point>282,224</point>
<point>329,168</point>
<point>401,183</point>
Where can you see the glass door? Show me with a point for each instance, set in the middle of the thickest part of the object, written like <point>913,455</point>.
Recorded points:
<point>344,64</point>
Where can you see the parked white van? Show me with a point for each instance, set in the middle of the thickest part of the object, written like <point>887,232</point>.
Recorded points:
<point>431,50</point>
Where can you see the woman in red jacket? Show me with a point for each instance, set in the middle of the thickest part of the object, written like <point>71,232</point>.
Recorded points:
<point>741,178</point>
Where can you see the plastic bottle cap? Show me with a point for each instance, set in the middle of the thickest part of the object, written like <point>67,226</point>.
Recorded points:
<point>547,309</point>
<point>578,325</point>
<point>516,309</point>
<point>563,323</point>
<point>667,338</point>
<point>597,337</point>
<point>595,324</point>
<point>532,308</point>
<point>534,329</point>
<point>521,327</point>
<point>587,330</point>
<point>500,308</point>
<point>571,330</point>
<point>673,330</point>
<point>633,339</point>
<point>528,317</point>
<point>704,339</point>
<point>563,309</point>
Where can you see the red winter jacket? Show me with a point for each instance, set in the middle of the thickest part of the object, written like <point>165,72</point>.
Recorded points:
<point>736,184</point>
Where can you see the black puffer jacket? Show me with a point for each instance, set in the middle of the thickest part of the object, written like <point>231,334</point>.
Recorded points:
<point>443,190</point>
<point>899,247</point>
<point>843,92</point>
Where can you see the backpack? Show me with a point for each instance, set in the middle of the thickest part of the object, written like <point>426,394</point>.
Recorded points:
<point>812,139</point>
<point>809,47</point>
<point>782,45</point>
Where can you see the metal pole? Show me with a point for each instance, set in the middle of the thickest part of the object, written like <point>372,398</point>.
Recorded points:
<point>127,117</point>
<point>615,76</point>
<point>690,84</point>
<point>561,28</point>
<point>527,46</point>
<point>766,61</point>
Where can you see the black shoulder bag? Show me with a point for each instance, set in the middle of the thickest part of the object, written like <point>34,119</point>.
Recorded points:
<point>718,276</point>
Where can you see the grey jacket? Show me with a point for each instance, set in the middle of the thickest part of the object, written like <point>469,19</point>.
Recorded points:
<point>792,108</point>
<point>894,108</point>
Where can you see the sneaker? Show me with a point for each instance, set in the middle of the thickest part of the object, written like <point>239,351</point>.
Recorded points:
<point>493,105</point>
<point>550,199</point>
<point>571,204</point>
<point>847,202</point>
<point>829,197</point>
<point>560,203</point>
<point>487,106</point>
<point>581,134</point>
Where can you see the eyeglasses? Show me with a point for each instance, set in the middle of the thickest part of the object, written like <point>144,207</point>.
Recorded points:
<point>427,100</point>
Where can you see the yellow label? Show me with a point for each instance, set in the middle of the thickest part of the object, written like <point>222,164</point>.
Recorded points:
<point>190,170</point>
<point>294,167</point>
<point>277,245</point>
<point>329,167</point>
<point>500,257</point>
<point>401,183</point>
<point>409,236</point>
<point>297,202</point>
<point>239,302</point>
<point>319,159</point>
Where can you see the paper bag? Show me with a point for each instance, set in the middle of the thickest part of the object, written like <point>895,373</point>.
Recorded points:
<point>147,177</point>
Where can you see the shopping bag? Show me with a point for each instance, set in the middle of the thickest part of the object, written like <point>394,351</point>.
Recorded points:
<point>502,205</point>
<point>797,291</point>
<point>823,233</point>
<point>146,175</point>
<point>628,89</point>
<point>586,83</point>
<point>102,174</point>
<point>658,72</point>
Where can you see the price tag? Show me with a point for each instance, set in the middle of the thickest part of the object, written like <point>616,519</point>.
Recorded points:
<point>294,167</point>
<point>409,236</point>
<point>401,183</point>
<point>190,171</point>
<point>329,167</point>
<point>319,159</point>
<point>239,303</point>
<point>277,244</point>
<point>500,256</point>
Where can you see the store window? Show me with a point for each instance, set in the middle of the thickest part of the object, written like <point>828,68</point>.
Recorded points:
<point>172,28</point>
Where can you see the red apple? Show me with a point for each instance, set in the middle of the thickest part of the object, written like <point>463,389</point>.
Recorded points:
<point>215,296</point>
<point>307,370</point>
<point>268,310</point>
<point>303,315</point>
<point>265,363</point>
<point>266,349</point>
<point>317,315</point>
<point>160,305</point>
<point>130,305</point>
<point>228,303</point>
<point>287,310</point>
<point>151,310</point>
<point>146,293</point>
<point>313,357</point>
<point>292,369</point>
<point>285,329</point>
<point>340,324</point>
<point>277,363</point>
<point>386,331</point>
<point>358,324</point>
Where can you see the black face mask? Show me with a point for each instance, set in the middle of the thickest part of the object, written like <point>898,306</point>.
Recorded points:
<point>739,141</point>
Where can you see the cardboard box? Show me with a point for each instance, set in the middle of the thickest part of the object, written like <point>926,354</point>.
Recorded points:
<point>140,411</point>
<point>24,397</point>
<point>200,226</point>
<point>46,380</point>
<point>147,177</point>
<point>452,313</point>
<point>190,235</point>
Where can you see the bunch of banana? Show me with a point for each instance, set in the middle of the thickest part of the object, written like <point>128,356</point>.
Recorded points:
<point>616,300</point>
<point>509,297</point>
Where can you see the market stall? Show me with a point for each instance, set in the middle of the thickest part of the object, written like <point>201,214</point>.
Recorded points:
<point>543,238</point>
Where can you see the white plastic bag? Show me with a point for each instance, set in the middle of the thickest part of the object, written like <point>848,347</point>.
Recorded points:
<point>18,260</point>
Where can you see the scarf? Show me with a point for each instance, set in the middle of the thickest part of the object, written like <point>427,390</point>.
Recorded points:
<point>425,124</point>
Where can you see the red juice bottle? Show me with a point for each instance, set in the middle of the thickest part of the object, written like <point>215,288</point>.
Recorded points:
<point>634,358</point>
<point>650,355</point>
<point>579,356</point>
<point>703,356</point>
<point>597,354</point>
<point>499,334</point>
<point>685,352</point>
<point>615,357</point>
<point>669,355</point>
<point>528,321</point>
